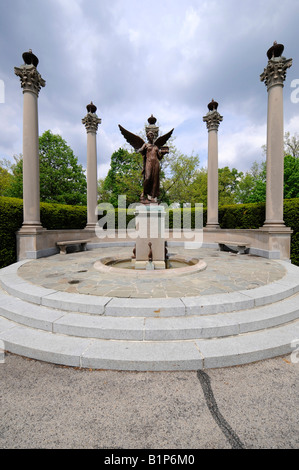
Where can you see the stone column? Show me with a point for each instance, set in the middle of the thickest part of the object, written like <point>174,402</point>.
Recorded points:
<point>31,83</point>
<point>91,122</point>
<point>212,120</point>
<point>274,76</point>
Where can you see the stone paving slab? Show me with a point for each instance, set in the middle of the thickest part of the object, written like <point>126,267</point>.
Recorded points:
<point>225,272</point>
<point>154,306</point>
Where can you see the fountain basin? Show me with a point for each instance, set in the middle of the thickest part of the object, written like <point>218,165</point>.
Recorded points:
<point>179,265</point>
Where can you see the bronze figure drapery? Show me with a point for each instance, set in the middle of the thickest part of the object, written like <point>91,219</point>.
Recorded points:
<point>152,152</point>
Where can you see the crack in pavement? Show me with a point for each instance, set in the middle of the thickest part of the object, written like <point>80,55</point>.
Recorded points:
<point>213,408</point>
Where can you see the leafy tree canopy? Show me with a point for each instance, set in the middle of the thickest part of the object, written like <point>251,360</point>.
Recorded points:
<point>62,178</point>
<point>5,181</point>
<point>123,178</point>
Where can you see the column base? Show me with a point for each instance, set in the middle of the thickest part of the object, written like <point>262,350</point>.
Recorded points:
<point>211,226</point>
<point>31,228</point>
<point>90,226</point>
<point>274,224</point>
<point>31,241</point>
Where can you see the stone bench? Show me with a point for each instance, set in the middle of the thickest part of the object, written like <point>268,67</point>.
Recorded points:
<point>239,247</point>
<point>64,244</point>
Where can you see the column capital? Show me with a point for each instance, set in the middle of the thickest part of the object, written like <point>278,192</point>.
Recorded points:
<point>31,79</point>
<point>276,71</point>
<point>212,120</point>
<point>91,120</point>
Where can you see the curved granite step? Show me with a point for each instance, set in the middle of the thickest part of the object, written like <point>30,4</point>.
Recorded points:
<point>145,328</point>
<point>148,355</point>
<point>149,334</point>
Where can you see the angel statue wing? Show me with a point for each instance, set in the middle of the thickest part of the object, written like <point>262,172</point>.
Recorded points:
<point>160,141</point>
<point>134,140</point>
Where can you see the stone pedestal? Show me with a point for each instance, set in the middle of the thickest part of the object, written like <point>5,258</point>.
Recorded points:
<point>150,241</point>
<point>274,76</point>
<point>91,122</point>
<point>212,120</point>
<point>31,83</point>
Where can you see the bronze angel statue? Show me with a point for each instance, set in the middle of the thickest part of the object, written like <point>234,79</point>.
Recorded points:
<point>153,151</point>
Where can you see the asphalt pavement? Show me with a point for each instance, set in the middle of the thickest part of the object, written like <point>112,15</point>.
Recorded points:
<point>44,406</point>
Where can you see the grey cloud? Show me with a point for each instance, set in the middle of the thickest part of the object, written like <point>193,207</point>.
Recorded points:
<point>136,58</point>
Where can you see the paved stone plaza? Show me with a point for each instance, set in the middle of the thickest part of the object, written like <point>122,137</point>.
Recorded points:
<point>225,272</point>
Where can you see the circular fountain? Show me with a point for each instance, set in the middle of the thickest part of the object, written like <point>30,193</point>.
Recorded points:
<point>175,265</point>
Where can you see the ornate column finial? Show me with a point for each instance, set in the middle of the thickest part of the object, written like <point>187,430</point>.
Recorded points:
<point>31,79</point>
<point>276,70</point>
<point>212,118</point>
<point>91,120</point>
<point>151,127</point>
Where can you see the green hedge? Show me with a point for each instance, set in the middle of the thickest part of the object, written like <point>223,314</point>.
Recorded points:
<point>53,216</point>
<point>11,219</point>
<point>57,216</point>
<point>242,216</point>
<point>253,216</point>
<point>60,216</point>
<point>291,218</point>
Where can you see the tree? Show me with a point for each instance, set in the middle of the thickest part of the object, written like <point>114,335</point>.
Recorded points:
<point>244,188</point>
<point>124,178</point>
<point>291,144</point>
<point>62,178</point>
<point>199,188</point>
<point>252,185</point>
<point>183,172</point>
<point>291,177</point>
<point>183,182</point>
<point>227,184</point>
<point>14,187</point>
<point>5,179</point>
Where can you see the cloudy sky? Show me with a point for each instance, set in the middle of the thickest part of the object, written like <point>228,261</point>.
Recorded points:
<point>134,58</point>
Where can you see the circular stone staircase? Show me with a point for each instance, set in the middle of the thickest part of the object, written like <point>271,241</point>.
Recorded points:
<point>186,333</point>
